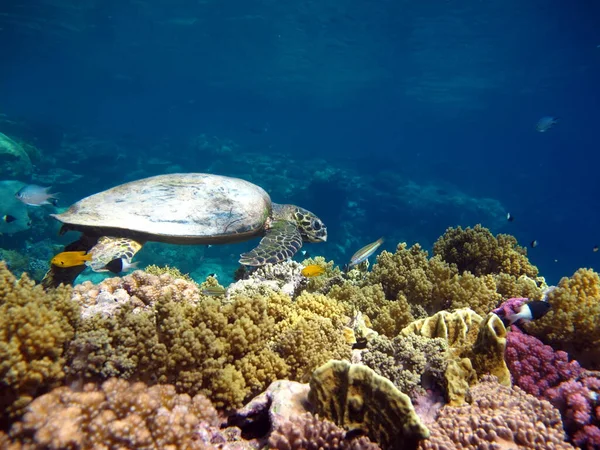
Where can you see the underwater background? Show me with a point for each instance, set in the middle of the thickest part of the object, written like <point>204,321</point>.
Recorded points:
<point>394,119</point>
<point>460,135</point>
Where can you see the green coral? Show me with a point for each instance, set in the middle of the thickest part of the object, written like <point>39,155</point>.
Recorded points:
<point>228,352</point>
<point>34,327</point>
<point>413,363</point>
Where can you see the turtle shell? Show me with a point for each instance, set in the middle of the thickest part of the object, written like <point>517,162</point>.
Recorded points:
<point>181,208</point>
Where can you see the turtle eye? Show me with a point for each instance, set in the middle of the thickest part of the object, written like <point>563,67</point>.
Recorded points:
<point>316,225</point>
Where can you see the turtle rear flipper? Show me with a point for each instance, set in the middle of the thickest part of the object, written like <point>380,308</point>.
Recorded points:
<point>280,242</point>
<point>66,275</point>
<point>110,248</point>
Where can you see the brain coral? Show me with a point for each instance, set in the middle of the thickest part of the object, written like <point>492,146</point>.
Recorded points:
<point>34,328</point>
<point>573,322</point>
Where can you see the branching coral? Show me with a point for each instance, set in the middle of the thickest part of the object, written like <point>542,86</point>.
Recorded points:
<point>34,328</point>
<point>434,284</point>
<point>116,415</point>
<point>229,351</point>
<point>497,417</point>
<point>413,363</point>
<point>387,317</point>
<point>573,322</point>
<point>477,250</point>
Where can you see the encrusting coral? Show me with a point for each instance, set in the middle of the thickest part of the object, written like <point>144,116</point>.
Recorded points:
<point>413,363</point>
<point>35,326</point>
<point>118,414</point>
<point>496,417</point>
<point>476,346</point>
<point>573,322</point>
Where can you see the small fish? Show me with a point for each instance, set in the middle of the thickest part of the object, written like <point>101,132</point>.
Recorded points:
<point>510,217</point>
<point>120,265</point>
<point>214,275</point>
<point>545,123</point>
<point>214,291</point>
<point>8,218</point>
<point>312,270</point>
<point>364,253</point>
<point>305,253</point>
<point>595,249</point>
<point>529,311</point>
<point>534,243</point>
<point>70,259</point>
<point>34,195</point>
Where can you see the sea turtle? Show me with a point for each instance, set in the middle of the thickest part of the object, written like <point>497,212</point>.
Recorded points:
<point>183,208</point>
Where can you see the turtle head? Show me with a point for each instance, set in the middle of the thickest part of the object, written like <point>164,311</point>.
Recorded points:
<point>310,226</point>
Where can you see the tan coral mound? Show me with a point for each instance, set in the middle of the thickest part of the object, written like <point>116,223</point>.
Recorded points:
<point>116,415</point>
<point>497,417</point>
<point>229,352</point>
<point>573,322</point>
<point>476,250</point>
<point>34,328</point>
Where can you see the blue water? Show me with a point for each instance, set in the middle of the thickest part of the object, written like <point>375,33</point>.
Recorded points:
<point>382,94</point>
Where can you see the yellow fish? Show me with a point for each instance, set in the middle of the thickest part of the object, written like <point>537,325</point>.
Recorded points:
<point>312,271</point>
<point>70,259</point>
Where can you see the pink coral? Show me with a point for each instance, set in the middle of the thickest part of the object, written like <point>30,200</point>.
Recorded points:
<point>579,403</point>
<point>510,306</point>
<point>536,367</point>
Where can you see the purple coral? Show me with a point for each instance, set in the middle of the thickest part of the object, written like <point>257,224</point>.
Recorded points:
<point>509,307</point>
<point>536,367</point>
<point>579,404</point>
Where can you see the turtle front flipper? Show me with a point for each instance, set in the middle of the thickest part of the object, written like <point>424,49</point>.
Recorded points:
<point>110,248</point>
<point>281,241</point>
<point>67,275</point>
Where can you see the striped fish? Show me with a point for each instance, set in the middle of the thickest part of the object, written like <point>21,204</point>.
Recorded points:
<point>364,252</point>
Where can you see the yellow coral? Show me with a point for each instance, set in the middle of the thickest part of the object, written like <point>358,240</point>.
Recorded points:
<point>34,327</point>
<point>573,322</point>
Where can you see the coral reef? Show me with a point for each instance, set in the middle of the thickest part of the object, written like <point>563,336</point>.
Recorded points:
<point>579,403</point>
<point>476,250</point>
<point>497,416</point>
<point>14,160</point>
<point>356,398</point>
<point>536,367</point>
<point>228,352</point>
<point>436,284</point>
<point>34,328</point>
<point>413,363</point>
<point>117,415</point>
<point>476,346</point>
<point>573,322</point>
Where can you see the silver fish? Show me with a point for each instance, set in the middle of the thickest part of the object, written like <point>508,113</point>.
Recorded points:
<point>34,195</point>
<point>365,252</point>
<point>545,123</point>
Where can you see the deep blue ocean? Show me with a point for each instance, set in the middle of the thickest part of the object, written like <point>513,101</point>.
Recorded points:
<point>385,118</point>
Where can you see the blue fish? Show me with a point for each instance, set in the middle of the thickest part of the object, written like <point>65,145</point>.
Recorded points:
<point>545,123</point>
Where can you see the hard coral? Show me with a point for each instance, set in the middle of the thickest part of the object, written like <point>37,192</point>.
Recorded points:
<point>579,403</point>
<point>115,415</point>
<point>413,363</point>
<point>356,398</point>
<point>497,417</point>
<point>477,250</point>
<point>573,322</point>
<point>536,367</point>
<point>229,352</point>
<point>307,432</point>
<point>34,328</point>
